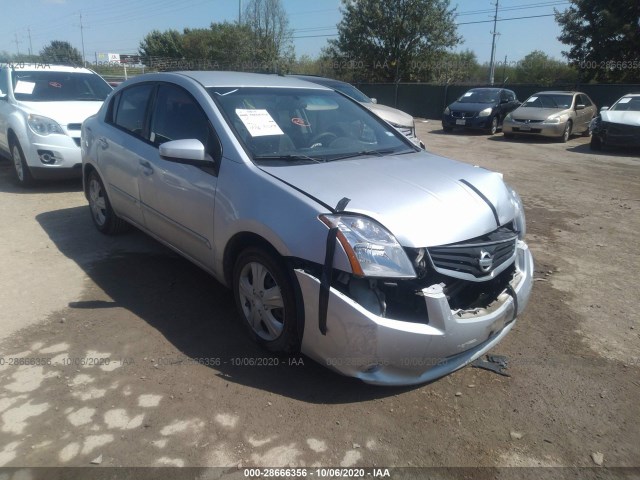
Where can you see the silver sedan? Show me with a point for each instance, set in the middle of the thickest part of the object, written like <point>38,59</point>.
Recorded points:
<point>551,114</point>
<point>339,237</point>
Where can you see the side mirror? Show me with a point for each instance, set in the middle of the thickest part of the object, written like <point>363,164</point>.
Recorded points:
<point>580,107</point>
<point>374,100</point>
<point>604,109</point>
<point>189,151</point>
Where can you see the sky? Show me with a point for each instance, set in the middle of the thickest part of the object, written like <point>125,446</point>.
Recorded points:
<point>118,26</point>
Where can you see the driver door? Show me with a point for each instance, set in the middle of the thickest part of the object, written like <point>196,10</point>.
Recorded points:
<point>177,199</point>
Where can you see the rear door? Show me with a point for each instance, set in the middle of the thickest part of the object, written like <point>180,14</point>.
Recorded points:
<point>121,149</point>
<point>178,200</point>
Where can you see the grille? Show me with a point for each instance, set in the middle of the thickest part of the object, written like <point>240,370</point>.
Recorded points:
<point>532,130</point>
<point>463,114</point>
<point>479,257</point>
<point>522,120</point>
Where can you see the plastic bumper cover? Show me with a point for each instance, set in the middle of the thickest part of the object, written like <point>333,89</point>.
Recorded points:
<point>384,351</point>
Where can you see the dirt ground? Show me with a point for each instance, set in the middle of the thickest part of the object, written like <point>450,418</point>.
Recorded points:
<point>134,351</point>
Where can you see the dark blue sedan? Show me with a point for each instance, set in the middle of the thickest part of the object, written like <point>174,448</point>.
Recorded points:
<point>480,108</point>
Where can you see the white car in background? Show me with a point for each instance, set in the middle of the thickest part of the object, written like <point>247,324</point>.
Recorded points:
<point>42,108</point>
<point>401,121</point>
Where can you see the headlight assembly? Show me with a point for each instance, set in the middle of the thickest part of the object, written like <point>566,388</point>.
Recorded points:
<point>372,250</point>
<point>552,121</point>
<point>519,221</point>
<point>43,125</point>
<point>447,111</point>
<point>486,112</point>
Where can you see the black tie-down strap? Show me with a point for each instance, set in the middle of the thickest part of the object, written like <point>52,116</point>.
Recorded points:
<point>327,270</point>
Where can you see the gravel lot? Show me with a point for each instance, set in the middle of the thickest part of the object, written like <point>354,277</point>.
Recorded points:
<point>140,347</point>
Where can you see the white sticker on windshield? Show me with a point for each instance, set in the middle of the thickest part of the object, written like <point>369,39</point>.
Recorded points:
<point>258,122</point>
<point>24,87</point>
<point>625,100</point>
<point>532,99</point>
<point>468,94</point>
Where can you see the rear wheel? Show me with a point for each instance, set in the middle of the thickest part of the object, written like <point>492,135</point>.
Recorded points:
<point>20,167</point>
<point>596,143</point>
<point>265,299</point>
<point>102,214</point>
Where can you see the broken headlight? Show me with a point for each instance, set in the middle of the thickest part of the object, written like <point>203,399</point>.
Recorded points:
<point>372,250</point>
<point>519,220</point>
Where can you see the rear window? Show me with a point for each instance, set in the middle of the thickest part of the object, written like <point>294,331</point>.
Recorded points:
<point>50,86</point>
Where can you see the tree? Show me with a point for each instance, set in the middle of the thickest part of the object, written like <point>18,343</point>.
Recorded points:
<point>604,38</point>
<point>161,45</point>
<point>61,51</point>
<point>394,39</point>
<point>537,67</point>
<point>271,34</point>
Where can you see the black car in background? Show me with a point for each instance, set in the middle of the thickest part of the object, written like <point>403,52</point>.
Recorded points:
<point>480,108</point>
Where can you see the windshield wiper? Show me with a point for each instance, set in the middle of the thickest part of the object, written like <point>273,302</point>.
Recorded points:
<point>287,157</point>
<point>366,153</point>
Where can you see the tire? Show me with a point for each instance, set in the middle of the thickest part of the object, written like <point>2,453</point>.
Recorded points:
<point>596,143</point>
<point>102,214</point>
<point>20,167</point>
<point>566,134</point>
<point>272,323</point>
<point>493,128</point>
<point>447,128</point>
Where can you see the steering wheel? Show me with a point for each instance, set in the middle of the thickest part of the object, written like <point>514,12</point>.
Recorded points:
<point>320,139</point>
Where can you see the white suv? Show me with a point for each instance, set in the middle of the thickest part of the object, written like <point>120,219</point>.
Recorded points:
<point>42,108</point>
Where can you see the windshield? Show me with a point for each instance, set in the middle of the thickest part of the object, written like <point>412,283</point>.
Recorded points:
<point>479,96</point>
<point>549,101</point>
<point>48,86</point>
<point>627,104</point>
<point>280,126</point>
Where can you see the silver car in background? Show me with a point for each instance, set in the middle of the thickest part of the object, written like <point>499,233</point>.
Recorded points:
<point>339,237</point>
<point>551,114</point>
<point>401,121</point>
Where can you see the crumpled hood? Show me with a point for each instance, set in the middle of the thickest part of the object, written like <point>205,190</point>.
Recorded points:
<point>623,117</point>
<point>418,197</point>
<point>64,112</point>
<point>390,114</point>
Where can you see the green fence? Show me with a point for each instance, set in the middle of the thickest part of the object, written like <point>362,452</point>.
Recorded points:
<point>427,100</point>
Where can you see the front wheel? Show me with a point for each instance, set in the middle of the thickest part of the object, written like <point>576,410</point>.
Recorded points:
<point>566,133</point>
<point>493,128</point>
<point>265,298</point>
<point>20,167</point>
<point>596,143</point>
<point>102,214</point>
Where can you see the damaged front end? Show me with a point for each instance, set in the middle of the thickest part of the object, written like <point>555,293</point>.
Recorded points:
<point>458,301</point>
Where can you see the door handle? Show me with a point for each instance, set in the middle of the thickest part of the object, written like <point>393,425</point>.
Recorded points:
<point>147,169</point>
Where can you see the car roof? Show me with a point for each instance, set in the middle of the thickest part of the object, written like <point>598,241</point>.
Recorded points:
<point>327,82</point>
<point>631,95</point>
<point>558,92</point>
<point>243,79</point>
<point>46,67</point>
<point>488,89</point>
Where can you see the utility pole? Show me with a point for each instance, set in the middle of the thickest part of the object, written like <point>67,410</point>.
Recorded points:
<point>30,45</point>
<point>17,42</point>
<point>84,62</point>
<point>492,69</point>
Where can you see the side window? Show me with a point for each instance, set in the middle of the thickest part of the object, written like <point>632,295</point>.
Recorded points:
<point>511,96</point>
<point>4,85</point>
<point>178,116</point>
<point>584,100</point>
<point>504,96</point>
<point>131,108</point>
